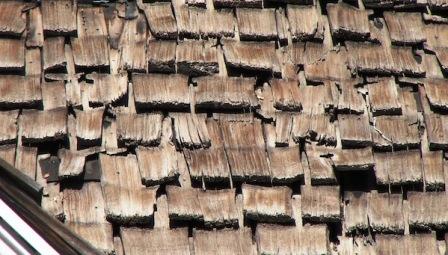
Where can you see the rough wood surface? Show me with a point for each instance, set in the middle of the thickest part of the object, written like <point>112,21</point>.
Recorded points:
<point>405,28</point>
<point>355,130</point>
<point>190,130</point>
<point>251,56</point>
<point>13,54</point>
<point>11,17</point>
<point>159,90</point>
<point>272,239</point>
<point>215,92</point>
<point>138,241</point>
<point>43,125</point>
<point>157,165</point>
<point>407,244</point>
<point>400,167</point>
<point>126,200</point>
<point>8,126</point>
<point>386,213</point>
<point>161,56</point>
<point>267,204</point>
<point>236,242</point>
<point>196,58</point>
<point>304,22</point>
<point>89,124</point>
<point>106,88</point>
<point>321,203</point>
<point>143,129</point>
<point>256,24</point>
<point>383,98</point>
<point>59,17</point>
<point>161,20</point>
<point>427,210</point>
<point>348,22</point>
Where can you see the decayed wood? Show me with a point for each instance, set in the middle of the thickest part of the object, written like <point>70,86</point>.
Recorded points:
<point>72,164</point>
<point>84,205</point>
<point>436,35</point>
<point>329,66</point>
<point>406,61</point>
<point>38,126</point>
<point>433,168</point>
<point>348,22</point>
<point>35,33</point>
<point>218,92</point>
<point>13,54</point>
<point>406,244</point>
<point>26,160</point>
<point>11,17</point>
<point>91,22</point>
<point>53,95</point>
<point>8,153</point>
<point>159,90</point>
<point>386,213</point>
<point>355,130</point>
<point>260,56</point>
<point>52,198</point>
<point>59,17</point>
<point>319,165</point>
<point>350,100</point>
<point>89,124</point>
<point>240,3</point>
<point>213,207</point>
<point>266,100</point>
<point>19,91</point>
<point>209,164</point>
<point>317,99</point>
<point>84,213</point>
<point>405,27</point>
<point>438,4</point>
<point>427,210</point>
<point>238,242</point>
<point>126,199</point>
<point>352,159</point>
<point>242,141</point>
<point>321,203</point>
<point>286,94</point>
<point>157,165</point>
<point>8,126</point>
<point>267,204</point>
<point>143,128</point>
<point>106,88</point>
<point>304,22</point>
<point>190,22</point>
<point>272,239</point>
<point>92,51</point>
<point>256,24</point>
<point>54,53</point>
<point>133,45</point>
<point>196,58</point>
<point>161,56</point>
<point>285,164</point>
<point>395,131</point>
<point>190,130</point>
<point>183,203</point>
<point>383,98</point>
<point>316,127</point>
<point>161,20</point>
<point>283,127</point>
<point>435,127</point>
<point>137,241</point>
<point>437,93</point>
<point>369,58</point>
<point>355,211</point>
<point>98,235</point>
<point>398,168</point>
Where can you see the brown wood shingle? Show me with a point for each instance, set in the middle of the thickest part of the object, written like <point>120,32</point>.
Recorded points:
<point>59,17</point>
<point>215,92</point>
<point>145,128</point>
<point>405,27</point>
<point>256,24</point>
<point>321,203</point>
<point>126,199</point>
<point>348,22</point>
<point>39,126</point>
<point>159,90</point>
<point>12,21</point>
<point>267,204</point>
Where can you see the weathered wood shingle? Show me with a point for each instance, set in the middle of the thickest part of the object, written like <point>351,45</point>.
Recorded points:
<point>267,204</point>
